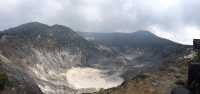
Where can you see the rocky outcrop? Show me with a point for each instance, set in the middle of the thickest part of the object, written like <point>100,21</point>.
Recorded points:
<point>18,82</point>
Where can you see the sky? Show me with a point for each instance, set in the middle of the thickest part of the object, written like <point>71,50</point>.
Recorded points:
<point>177,20</point>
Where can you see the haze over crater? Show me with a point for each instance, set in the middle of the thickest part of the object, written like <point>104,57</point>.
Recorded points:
<point>84,78</point>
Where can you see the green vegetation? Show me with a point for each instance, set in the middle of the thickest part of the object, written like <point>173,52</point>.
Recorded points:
<point>101,91</point>
<point>197,56</point>
<point>3,80</point>
<point>140,77</point>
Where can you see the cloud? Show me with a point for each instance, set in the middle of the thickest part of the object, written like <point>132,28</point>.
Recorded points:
<point>108,15</point>
<point>182,34</point>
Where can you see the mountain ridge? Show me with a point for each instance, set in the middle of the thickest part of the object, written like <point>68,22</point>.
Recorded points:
<point>45,53</point>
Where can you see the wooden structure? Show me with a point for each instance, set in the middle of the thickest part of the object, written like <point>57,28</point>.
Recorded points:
<point>196,44</point>
<point>194,69</point>
<point>194,73</point>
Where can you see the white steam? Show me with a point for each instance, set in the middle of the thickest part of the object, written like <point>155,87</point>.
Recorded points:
<point>82,78</point>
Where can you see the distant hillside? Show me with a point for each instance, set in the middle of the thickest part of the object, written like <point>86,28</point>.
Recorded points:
<point>143,50</point>
<point>138,42</point>
<point>139,39</point>
<point>41,35</point>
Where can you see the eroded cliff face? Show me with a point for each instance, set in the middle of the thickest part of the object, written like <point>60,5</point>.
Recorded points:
<point>49,70</point>
<point>60,72</point>
<point>17,80</point>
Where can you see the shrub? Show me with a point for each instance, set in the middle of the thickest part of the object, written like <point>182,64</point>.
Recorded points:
<point>3,80</point>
